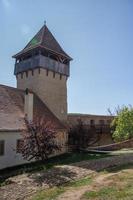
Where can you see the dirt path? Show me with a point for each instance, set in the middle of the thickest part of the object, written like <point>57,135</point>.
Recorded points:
<point>77,193</point>
<point>74,194</point>
<point>99,181</point>
<point>26,184</point>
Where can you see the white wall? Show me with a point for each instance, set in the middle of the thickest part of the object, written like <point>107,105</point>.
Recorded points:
<point>10,157</point>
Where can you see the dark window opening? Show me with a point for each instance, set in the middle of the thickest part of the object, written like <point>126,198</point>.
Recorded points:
<point>39,70</point>
<point>32,72</point>
<point>101,122</point>
<point>92,122</point>
<point>66,62</point>
<point>53,74</point>
<point>26,74</point>
<point>19,145</point>
<point>109,121</point>
<point>47,72</point>
<point>26,57</point>
<point>44,53</point>
<point>2,147</point>
<point>22,75</point>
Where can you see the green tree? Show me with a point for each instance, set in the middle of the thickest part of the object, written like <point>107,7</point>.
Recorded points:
<point>123,124</point>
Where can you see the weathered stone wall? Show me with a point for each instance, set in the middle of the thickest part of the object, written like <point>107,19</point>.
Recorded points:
<point>105,139</point>
<point>86,119</point>
<point>49,86</point>
<point>105,136</point>
<point>62,138</point>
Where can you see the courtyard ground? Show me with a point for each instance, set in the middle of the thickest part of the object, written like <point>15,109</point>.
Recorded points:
<point>114,184</point>
<point>62,180</point>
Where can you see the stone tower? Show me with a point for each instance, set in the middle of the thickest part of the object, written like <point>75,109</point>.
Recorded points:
<point>43,67</point>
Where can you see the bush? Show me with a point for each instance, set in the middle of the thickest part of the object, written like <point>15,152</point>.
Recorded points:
<point>123,124</point>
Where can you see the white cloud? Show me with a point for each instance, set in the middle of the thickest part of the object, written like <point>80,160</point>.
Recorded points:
<point>25,29</point>
<point>6,4</point>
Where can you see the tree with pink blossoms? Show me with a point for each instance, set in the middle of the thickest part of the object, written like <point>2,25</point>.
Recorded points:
<point>39,141</point>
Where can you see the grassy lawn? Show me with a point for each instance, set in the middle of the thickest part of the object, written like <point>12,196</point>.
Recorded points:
<point>53,193</point>
<point>67,158</point>
<point>111,193</point>
<point>49,194</point>
<point>119,186</point>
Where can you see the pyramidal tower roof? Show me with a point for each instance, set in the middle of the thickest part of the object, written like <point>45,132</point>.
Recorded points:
<point>46,40</point>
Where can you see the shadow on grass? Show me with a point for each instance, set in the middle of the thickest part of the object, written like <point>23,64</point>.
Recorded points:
<point>55,177</point>
<point>64,159</point>
<point>106,163</point>
<point>116,169</point>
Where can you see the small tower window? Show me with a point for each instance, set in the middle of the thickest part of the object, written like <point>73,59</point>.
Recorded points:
<point>21,75</point>
<point>92,122</point>
<point>60,76</point>
<point>26,74</point>
<point>39,70</point>
<point>32,72</point>
<point>108,121</point>
<point>2,147</point>
<point>53,74</point>
<point>101,122</point>
<point>47,72</point>
<point>19,145</point>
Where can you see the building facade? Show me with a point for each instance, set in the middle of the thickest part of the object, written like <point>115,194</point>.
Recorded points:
<point>43,67</point>
<point>97,125</point>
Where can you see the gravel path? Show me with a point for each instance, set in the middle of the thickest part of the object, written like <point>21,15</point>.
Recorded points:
<point>27,184</point>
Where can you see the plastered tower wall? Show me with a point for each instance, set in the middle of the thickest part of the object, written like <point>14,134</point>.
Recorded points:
<point>51,87</point>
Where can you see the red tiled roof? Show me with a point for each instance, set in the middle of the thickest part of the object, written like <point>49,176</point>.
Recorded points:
<point>12,110</point>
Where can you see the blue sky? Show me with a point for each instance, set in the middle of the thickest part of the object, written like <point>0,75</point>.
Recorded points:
<point>97,34</point>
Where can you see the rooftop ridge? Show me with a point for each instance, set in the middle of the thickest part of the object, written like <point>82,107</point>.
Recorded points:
<point>11,87</point>
<point>83,114</point>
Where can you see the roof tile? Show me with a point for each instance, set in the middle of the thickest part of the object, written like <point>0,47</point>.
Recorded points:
<point>12,110</point>
<point>45,39</point>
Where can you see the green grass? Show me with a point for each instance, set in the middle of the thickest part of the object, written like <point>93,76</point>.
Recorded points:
<point>53,193</point>
<point>104,193</point>
<point>120,185</point>
<point>49,194</point>
<point>111,193</point>
<point>80,182</point>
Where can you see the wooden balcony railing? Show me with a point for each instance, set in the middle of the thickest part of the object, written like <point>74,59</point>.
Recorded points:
<point>43,62</point>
